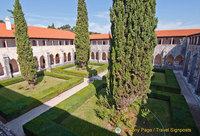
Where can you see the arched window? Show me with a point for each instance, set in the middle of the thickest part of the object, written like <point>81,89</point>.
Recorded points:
<point>42,62</point>
<point>103,56</point>
<point>170,60</point>
<point>92,55</point>
<point>51,59</point>
<point>36,63</point>
<point>1,70</point>
<point>179,60</point>
<point>97,56</point>
<point>34,43</point>
<point>57,58</point>
<point>69,56</point>
<point>158,60</point>
<point>65,57</point>
<point>14,66</point>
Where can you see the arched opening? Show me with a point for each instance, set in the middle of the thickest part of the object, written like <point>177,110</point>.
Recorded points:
<point>65,57</point>
<point>43,42</point>
<point>69,56</point>
<point>92,55</point>
<point>57,58</point>
<point>158,60</point>
<point>4,44</point>
<point>51,59</point>
<point>42,62</point>
<point>34,43</point>
<point>170,60</point>
<point>36,63</point>
<point>103,56</point>
<point>13,66</point>
<point>74,55</point>
<point>179,60</point>
<point>1,70</point>
<point>97,56</point>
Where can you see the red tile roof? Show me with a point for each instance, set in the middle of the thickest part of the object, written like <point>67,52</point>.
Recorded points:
<point>38,32</point>
<point>180,32</point>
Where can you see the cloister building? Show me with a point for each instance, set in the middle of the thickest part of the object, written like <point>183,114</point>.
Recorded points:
<point>176,49</point>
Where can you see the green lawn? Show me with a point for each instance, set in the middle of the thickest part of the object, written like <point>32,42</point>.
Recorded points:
<point>87,113</point>
<point>159,77</point>
<point>43,82</point>
<point>90,68</point>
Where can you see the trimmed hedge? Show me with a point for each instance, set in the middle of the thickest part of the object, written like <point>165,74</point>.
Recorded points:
<point>180,112</point>
<point>94,72</point>
<point>172,84</point>
<point>57,114</point>
<point>24,104</point>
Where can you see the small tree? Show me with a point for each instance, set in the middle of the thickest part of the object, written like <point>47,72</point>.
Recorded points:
<point>52,26</point>
<point>24,50</point>
<point>82,40</point>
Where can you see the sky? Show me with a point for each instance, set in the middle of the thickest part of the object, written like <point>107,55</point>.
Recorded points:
<point>171,14</point>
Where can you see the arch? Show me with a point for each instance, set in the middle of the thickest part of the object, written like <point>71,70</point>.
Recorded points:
<point>51,59</point>
<point>1,70</point>
<point>34,43</point>
<point>179,60</point>
<point>69,56</point>
<point>97,56</point>
<point>14,66</point>
<point>92,55</point>
<point>65,57</point>
<point>57,58</point>
<point>158,60</point>
<point>103,56</point>
<point>170,60</point>
<point>36,63</point>
<point>42,62</point>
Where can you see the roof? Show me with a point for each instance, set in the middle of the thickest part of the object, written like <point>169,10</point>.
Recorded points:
<point>180,32</point>
<point>38,32</point>
<point>100,36</point>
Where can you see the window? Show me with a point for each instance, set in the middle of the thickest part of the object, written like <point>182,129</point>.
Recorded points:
<point>34,43</point>
<point>43,42</point>
<point>71,42</point>
<point>67,42</point>
<point>99,42</point>
<point>104,42</point>
<point>4,44</point>
<point>94,42</point>
<point>60,42</point>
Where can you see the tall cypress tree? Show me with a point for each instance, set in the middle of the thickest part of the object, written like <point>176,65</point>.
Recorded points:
<point>24,50</point>
<point>132,45</point>
<point>82,40</point>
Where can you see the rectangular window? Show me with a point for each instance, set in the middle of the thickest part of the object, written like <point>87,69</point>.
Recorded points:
<point>99,42</point>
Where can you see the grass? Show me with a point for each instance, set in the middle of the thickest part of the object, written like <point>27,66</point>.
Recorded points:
<point>159,78</point>
<point>91,67</point>
<point>43,82</point>
<point>87,113</point>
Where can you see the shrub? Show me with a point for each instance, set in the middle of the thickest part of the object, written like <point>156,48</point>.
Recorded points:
<point>11,81</point>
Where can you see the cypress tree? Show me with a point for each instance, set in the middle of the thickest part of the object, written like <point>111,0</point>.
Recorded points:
<point>24,50</point>
<point>132,45</point>
<point>82,40</point>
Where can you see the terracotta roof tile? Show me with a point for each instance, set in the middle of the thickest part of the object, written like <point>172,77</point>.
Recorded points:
<point>38,32</point>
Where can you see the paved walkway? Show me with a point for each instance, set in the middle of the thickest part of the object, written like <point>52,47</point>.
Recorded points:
<point>16,124</point>
<point>193,103</point>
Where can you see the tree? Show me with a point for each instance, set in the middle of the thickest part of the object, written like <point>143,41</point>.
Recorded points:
<point>65,27</point>
<point>82,40</point>
<point>1,21</point>
<point>52,26</point>
<point>24,50</point>
<point>132,45</point>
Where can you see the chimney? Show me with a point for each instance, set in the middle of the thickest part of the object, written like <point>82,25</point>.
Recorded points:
<point>8,23</point>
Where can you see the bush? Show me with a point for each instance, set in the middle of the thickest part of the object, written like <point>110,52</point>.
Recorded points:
<point>11,81</point>
<point>172,83</point>
<point>180,112</point>
<point>51,119</point>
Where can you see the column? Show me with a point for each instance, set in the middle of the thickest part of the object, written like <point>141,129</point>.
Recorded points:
<point>100,56</point>
<point>73,60</point>
<point>52,42</point>
<point>45,42</point>
<point>48,63</point>
<point>172,41</point>
<point>37,43</point>
<point>161,41</point>
<point>197,91</point>
<point>62,57</point>
<point>6,43</point>
<point>197,41</point>
<point>7,69</point>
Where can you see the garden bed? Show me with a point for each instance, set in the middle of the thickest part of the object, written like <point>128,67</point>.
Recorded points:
<point>16,98</point>
<point>71,69</point>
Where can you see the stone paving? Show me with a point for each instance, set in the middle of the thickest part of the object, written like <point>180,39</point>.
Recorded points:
<point>16,124</point>
<point>191,98</point>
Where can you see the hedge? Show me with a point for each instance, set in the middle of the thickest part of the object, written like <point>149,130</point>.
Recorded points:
<point>172,84</point>
<point>94,72</point>
<point>54,116</point>
<point>24,104</point>
<point>180,112</point>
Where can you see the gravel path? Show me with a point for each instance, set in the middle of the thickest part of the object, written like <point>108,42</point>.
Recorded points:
<point>16,124</point>
<point>191,99</point>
